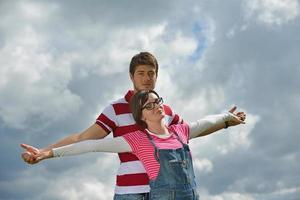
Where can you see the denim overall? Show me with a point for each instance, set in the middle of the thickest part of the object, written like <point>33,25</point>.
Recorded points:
<point>176,179</point>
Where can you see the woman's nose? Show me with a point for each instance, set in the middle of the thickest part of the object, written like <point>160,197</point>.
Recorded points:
<point>157,105</point>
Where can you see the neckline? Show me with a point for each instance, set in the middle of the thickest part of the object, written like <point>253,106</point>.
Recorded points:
<point>160,136</point>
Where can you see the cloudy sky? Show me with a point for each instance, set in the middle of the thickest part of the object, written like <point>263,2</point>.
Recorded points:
<point>62,62</point>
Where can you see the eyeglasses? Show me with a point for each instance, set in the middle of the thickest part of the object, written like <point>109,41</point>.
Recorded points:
<point>151,105</point>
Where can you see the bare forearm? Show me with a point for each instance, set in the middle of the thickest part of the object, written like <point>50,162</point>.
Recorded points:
<point>66,141</point>
<point>92,133</point>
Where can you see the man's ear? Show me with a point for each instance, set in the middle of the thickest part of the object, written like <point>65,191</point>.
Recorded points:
<point>131,76</point>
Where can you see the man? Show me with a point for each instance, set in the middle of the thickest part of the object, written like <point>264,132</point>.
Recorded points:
<point>132,180</point>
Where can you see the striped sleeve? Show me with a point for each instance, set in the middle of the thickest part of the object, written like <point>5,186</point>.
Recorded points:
<point>107,119</point>
<point>186,131</point>
<point>173,117</point>
<point>135,140</point>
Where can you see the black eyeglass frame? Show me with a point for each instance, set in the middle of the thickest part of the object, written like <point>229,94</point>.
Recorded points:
<point>157,101</point>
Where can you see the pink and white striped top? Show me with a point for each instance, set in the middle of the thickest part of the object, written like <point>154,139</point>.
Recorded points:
<point>117,118</point>
<point>144,150</point>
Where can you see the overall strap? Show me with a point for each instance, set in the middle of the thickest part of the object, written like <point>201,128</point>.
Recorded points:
<point>179,139</point>
<point>155,147</point>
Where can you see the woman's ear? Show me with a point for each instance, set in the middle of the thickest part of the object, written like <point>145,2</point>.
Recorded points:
<point>143,118</point>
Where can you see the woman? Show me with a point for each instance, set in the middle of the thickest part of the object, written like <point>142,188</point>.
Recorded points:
<point>164,151</point>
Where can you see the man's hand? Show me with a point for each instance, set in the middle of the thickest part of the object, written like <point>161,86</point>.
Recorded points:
<point>30,154</point>
<point>236,118</point>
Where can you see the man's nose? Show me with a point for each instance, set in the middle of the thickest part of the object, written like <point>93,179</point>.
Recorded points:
<point>148,77</point>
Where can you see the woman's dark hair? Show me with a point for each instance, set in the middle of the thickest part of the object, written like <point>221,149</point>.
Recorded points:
<point>143,58</point>
<point>137,102</point>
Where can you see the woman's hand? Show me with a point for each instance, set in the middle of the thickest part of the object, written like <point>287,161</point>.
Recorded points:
<point>33,155</point>
<point>235,118</point>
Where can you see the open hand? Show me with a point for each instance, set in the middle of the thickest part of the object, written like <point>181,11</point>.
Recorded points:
<point>33,155</point>
<point>236,117</point>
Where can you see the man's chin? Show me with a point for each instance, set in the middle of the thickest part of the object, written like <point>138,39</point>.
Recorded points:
<point>146,88</point>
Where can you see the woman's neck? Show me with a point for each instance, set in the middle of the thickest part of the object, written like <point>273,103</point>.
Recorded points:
<point>158,128</point>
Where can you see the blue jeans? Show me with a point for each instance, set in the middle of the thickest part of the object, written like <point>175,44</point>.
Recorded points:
<point>142,196</point>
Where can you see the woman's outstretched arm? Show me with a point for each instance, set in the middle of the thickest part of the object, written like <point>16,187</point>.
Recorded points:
<point>111,145</point>
<point>213,123</point>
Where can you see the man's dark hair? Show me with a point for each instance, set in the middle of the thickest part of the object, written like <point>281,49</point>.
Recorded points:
<point>143,58</point>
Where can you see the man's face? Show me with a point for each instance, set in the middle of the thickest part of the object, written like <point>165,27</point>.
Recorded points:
<point>144,78</point>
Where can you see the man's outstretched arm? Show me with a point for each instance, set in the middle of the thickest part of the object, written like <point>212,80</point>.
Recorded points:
<point>93,132</point>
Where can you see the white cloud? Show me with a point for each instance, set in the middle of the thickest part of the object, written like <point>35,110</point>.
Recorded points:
<point>35,11</point>
<point>33,84</point>
<point>225,141</point>
<point>238,137</point>
<point>90,180</point>
<point>204,194</point>
<point>79,188</point>
<point>113,51</point>
<point>203,165</point>
<point>283,190</point>
<point>202,103</point>
<point>271,12</point>
<point>183,46</point>
<point>233,196</point>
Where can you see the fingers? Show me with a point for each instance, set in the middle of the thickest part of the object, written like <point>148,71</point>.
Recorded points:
<point>29,158</point>
<point>241,121</point>
<point>24,146</point>
<point>29,148</point>
<point>232,109</point>
<point>235,120</point>
<point>241,116</point>
<point>26,156</point>
<point>30,154</point>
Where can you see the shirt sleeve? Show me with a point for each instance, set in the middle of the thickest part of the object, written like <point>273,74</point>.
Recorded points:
<point>112,145</point>
<point>202,125</point>
<point>107,119</point>
<point>134,140</point>
<point>185,131</point>
<point>174,118</point>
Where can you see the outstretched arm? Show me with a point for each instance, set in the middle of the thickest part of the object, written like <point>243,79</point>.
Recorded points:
<point>214,123</point>
<point>93,132</point>
<point>112,145</point>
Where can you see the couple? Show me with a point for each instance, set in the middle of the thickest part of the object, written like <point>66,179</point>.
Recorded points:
<point>148,111</point>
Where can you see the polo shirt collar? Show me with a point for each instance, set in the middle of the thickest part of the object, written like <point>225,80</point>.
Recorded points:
<point>128,95</point>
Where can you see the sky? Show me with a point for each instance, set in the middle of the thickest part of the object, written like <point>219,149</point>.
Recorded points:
<point>62,62</point>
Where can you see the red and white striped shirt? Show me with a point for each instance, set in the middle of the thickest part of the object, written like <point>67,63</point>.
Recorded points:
<point>117,118</point>
<point>144,150</point>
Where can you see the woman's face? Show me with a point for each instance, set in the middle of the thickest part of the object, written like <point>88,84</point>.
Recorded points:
<point>152,110</point>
